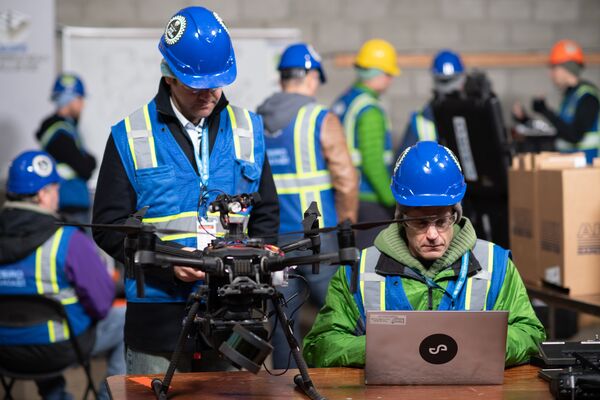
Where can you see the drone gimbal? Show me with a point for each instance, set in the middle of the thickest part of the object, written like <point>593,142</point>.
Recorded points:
<point>229,309</point>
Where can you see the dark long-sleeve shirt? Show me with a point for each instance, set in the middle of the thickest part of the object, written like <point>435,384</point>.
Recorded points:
<point>586,114</point>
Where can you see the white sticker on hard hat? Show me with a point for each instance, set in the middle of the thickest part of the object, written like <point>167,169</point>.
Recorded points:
<point>399,161</point>
<point>221,22</point>
<point>175,28</point>
<point>42,165</point>
<point>314,53</point>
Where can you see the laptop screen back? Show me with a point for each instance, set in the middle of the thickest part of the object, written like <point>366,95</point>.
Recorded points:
<point>435,347</point>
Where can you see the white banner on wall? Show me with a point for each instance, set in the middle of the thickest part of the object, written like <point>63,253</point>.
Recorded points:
<point>27,69</point>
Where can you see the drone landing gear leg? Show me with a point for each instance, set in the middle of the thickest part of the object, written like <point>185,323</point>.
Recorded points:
<point>302,380</point>
<point>161,387</point>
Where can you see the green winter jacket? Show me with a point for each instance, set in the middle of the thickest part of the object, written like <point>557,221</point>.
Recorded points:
<point>332,341</point>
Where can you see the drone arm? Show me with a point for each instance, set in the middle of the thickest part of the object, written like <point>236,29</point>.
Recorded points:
<point>296,245</point>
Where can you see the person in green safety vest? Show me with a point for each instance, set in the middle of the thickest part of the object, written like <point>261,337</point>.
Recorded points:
<point>368,131</point>
<point>433,261</point>
<point>577,122</point>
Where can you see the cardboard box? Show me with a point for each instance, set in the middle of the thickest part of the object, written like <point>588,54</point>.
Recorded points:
<point>523,209</point>
<point>568,207</point>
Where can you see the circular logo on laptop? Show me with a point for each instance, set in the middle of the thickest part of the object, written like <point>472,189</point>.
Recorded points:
<point>438,349</point>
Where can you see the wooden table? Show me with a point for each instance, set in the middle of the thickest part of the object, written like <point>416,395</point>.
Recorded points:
<point>520,383</point>
<point>588,304</point>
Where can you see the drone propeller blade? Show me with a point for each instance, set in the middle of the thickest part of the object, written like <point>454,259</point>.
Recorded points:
<point>128,228</point>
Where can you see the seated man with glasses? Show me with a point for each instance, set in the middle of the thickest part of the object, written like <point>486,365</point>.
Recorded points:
<point>431,261</point>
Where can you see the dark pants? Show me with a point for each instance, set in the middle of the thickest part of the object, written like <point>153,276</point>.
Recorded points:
<point>370,212</point>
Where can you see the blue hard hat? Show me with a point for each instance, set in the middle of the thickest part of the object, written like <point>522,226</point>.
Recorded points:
<point>447,63</point>
<point>30,172</point>
<point>428,174</point>
<point>67,87</point>
<point>197,47</point>
<point>301,55</point>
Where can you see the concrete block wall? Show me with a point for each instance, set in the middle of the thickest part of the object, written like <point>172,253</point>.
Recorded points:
<point>413,26</point>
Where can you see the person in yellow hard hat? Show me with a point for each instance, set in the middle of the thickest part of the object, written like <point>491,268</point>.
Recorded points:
<point>368,131</point>
<point>577,123</point>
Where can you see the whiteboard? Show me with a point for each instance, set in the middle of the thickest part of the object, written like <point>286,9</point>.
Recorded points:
<point>120,68</point>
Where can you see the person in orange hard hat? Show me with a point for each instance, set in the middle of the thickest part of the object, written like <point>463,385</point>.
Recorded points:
<point>577,120</point>
<point>368,131</point>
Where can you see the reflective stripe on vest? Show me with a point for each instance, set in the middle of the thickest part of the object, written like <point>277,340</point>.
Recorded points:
<point>373,285</point>
<point>425,128</point>
<point>141,139</point>
<point>478,286</point>
<point>358,104</point>
<point>58,126</point>
<point>243,135</point>
<point>308,181</point>
<point>47,283</point>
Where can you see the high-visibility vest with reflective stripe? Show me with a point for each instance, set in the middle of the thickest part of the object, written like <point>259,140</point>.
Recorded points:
<point>590,143</point>
<point>43,272</point>
<point>73,191</point>
<point>300,170</point>
<point>480,291</point>
<point>165,180</point>
<point>423,127</point>
<point>349,108</point>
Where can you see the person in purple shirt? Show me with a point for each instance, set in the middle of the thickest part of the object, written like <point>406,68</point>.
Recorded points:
<point>39,257</point>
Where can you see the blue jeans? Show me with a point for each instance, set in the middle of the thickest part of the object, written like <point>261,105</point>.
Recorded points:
<point>109,341</point>
<point>317,285</point>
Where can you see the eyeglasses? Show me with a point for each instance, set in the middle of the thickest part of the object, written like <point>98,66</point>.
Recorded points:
<point>196,91</point>
<point>422,224</point>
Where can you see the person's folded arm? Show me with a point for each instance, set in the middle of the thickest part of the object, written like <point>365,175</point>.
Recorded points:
<point>335,339</point>
<point>371,139</point>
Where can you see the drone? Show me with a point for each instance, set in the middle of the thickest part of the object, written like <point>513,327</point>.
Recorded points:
<point>229,309</point>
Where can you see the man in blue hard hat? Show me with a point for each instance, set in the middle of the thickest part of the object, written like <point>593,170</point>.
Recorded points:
<point>175,155</point>
<point>39,257</point>
<point>59,135</point>
<point>309,156</point>
<point>448,72</point>
<point>432,261</point>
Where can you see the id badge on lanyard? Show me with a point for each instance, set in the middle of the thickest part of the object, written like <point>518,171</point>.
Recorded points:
<point>206,227</point>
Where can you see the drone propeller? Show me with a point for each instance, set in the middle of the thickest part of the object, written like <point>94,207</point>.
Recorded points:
<point>361,226</point>
<point>132,225</point>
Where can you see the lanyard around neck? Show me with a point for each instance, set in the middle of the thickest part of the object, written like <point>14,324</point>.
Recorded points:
<point>202,159</point>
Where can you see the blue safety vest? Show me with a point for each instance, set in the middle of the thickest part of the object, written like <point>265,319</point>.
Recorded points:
<point>478,293</point>
<point>349,108</point>
<point>423,126</point>
<point>300,170</point>
<point>165,180</point>
<point>43,272</point>
<point>73,191</point>
<point>590,144</point>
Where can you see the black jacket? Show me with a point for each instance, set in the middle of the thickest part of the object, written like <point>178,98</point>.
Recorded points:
<point>64,149</point>
<point>116,199</point>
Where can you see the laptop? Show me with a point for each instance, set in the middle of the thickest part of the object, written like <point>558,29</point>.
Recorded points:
<point>435,347</point>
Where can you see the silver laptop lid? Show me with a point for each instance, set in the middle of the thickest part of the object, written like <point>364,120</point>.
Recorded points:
<point>435,347</point>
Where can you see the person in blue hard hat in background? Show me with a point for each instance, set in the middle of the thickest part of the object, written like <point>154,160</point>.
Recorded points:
<point>307,151</point>
<point>432,261</point>
<point>449,76</point>
<point>59,135</point>
<point>39,257</point>
<point>175,155</point>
